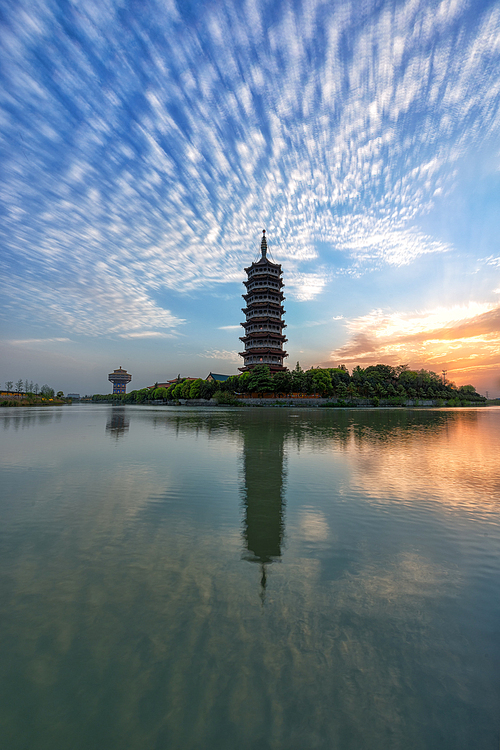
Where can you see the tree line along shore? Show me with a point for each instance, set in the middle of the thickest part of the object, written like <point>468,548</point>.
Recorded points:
<point>29,394</point>
<point>377,384</point>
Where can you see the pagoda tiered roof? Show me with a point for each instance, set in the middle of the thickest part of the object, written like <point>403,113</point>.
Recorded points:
<point>264,298</point>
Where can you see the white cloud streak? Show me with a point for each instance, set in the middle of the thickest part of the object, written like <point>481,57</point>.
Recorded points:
<point>143,176</point>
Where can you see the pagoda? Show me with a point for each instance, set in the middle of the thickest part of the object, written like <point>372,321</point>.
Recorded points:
<point>263,337</point>
<point>120,378</point>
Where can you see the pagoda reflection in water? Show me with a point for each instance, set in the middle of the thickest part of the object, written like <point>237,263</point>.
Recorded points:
<point>263,494</point>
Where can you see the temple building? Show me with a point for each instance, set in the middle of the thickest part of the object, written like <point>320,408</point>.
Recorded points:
<point>263,337</point>
<point>120,378</point>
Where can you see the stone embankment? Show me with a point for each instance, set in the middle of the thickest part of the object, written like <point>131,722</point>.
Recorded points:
<point>303,402</point>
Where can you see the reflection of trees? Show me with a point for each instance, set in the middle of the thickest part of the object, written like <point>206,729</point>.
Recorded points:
<point>27,418</point>
<point>118,423</point>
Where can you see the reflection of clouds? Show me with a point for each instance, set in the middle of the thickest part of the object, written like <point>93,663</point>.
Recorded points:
<point>168,615</point>
<point>131,599</point>
<point>458,461</point>
<point>313,526</point>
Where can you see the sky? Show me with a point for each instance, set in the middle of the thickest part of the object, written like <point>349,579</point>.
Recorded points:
<point>144,145</point>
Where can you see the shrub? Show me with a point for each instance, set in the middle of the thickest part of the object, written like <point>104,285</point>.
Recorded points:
<point>223,398</point>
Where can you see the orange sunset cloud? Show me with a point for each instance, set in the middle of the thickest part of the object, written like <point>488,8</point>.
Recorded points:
<point>464,340</point>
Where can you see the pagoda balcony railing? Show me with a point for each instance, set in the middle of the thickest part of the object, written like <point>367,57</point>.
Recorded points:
<point>263,271</point>
<point>264,320</point>
<point>252,331</point>
<point>252,312</point>
<point>263,297</point>
<point>264,284</point>
<point>264,349</point>
<point>264,357</point>
<point>263,343</point>
<point>262,334</point>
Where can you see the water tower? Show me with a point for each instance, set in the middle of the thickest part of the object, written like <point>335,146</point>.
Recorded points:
<point>120,378</point>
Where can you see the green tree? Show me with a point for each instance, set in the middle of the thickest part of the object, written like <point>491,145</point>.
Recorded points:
<point>208,389</point>
<point>341,390</point>
<point>60,394</point>
<point>231,385</point>
<point>382,373</point>
<point>186,386</point>
<point>321,382</point>
<point>351,391</point>
<point>340,380</point>
<point>46,391</point>
<point>242,386</point>
<point>19,386</point>
<point>298,379</point>
<point>260,380</point>
<point>170,391</point>
<point>177,391</point>
<point>195,388</point>
<point>282,382</point>
<point>243,382</point>
<point>160,393</point>
<point>8,385</point>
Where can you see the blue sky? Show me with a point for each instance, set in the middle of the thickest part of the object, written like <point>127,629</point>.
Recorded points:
<point>145,145</point>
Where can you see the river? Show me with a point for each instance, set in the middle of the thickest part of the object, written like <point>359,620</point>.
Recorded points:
<point>249,579</point>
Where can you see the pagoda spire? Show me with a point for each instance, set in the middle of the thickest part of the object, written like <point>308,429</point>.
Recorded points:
<point>263,244</point>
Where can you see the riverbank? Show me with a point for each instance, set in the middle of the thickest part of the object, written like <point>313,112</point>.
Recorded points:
<point>13,402</point>
<point>313,402</point>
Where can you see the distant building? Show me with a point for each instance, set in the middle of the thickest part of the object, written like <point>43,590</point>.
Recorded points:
<point>168,383</point>
<point>263,337</point>
<point>162,385</point>
<point>73,396</point>
<point>214,377</point>
<point>120,378</point>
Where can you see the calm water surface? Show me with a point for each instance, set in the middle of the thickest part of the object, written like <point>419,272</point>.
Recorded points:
<point>249,579</point>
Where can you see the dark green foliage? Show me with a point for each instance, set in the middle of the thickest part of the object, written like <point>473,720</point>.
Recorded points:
<point>260,380</point>
<point>160,393</point>
<point>282,382</point>
<point>208,389</point>
<point>225,398</point>
<point>391,386</point>
<point>298,379</point>
<point>178,390</point>
<point>195,388</point>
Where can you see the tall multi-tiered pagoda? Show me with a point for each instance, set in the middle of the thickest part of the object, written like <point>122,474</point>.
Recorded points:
<point>263,337</point>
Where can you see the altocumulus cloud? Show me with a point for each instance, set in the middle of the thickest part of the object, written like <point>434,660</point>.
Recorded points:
<point>141,146</point>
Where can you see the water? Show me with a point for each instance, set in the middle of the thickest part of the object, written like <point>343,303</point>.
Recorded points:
<point>255,579</point>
